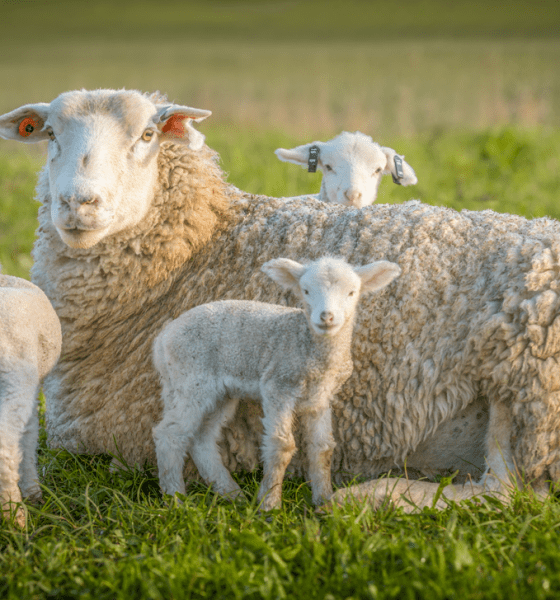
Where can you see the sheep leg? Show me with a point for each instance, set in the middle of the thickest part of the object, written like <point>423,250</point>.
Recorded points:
<point>278,447</point>
<point>183,414</point>
<point>320,446</point>
<point>500,472</point>
<point>411,495</point>
<point>29,478</point>
<point>206,455</point>
<point>18,389</point>
<point>497,481</point>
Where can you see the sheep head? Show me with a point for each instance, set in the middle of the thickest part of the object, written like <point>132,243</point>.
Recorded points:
<point>102,155</point>
<point>330,288</point>
<point>352,166</point>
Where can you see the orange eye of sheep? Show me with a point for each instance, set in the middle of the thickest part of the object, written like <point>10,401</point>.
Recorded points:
<point>147,135</point>
<point>27,127</point>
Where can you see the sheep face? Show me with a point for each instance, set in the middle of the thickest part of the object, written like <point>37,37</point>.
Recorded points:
<point>330,288</point>
<point>352,166</point>
<point>102,156</point>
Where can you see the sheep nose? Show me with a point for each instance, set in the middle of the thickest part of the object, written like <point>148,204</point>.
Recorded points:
<point>78,200</point>
<point>327,317</point>
<point>353,196</point>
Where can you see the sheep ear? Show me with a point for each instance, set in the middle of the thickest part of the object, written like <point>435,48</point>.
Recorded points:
<point>403,174</point>
<point>284,271</point>
<point>377,275</point>
<point>175,124</point>
<point>25,124</point>
<point>298,155</point>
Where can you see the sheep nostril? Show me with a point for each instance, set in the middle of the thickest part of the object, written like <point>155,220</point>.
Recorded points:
<point>327,317</point>
<point>88,200</point>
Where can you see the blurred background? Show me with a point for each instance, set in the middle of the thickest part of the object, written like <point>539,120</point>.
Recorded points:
<point>469,90</point>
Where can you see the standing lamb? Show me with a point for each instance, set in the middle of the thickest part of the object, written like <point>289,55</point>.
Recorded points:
<point>292,361</point>
<point>455,362</point>
<point>353,165</point>
<point>30,340</point>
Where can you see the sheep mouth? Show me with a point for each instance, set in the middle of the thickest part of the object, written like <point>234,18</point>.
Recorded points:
<point>76,237</point>
<point>325,328</point>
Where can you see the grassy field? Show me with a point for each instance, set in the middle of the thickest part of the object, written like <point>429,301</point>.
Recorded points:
<point>469,92</point>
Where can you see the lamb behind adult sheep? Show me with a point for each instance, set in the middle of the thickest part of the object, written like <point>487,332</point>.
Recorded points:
<point>472,322</point>
<point>290,360</point>
<point>352,165</point>
<point>30,341</point>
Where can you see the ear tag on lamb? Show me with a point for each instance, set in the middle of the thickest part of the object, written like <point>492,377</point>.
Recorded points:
<point>27,127</point>
<point>175,125</point>
<point>313,159</point>
<point>399,170</point>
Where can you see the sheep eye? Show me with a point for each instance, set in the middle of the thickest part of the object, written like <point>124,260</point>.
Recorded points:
<point>50,133</point>
<point>328,167</point>
<point>306,292</point>
<point>147,135</point>
<point>352,293</point>
<point>378,170</point>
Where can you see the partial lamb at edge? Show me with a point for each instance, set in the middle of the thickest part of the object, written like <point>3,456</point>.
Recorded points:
<point>292,360</point>
<point>352,165</point>
<point>30,341</point>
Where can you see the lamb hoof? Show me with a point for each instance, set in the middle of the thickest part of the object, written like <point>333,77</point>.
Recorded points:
<point>34,496</point>
<point>269,503</point>
<point>235,496</point>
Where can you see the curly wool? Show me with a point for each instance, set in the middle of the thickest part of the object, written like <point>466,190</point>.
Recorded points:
<point>473,313</point>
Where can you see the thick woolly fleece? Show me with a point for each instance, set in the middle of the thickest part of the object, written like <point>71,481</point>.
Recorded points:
<point>30,340</point>
<point>474,314</point>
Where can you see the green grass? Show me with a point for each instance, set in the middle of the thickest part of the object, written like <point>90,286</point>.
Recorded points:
<point>100,535</point>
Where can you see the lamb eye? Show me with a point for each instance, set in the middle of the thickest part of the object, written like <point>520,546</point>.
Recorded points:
<point>378,170</point>
<point>306,292</point>
<point>50,133</point>
<point>147,135</point>
<point>328,167</point>
<point>351,293</point>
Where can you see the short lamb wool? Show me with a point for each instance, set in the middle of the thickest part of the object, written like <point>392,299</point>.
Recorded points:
<point>291,360</point>
<point>30,341</point>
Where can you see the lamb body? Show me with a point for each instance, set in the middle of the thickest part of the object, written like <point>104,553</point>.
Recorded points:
<point>352,165</point>
<point>290,360</point>
<point>455,363</point>
<point>30,340</point>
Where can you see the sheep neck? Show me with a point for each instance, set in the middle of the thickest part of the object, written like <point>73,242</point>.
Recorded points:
<point>333,349</point>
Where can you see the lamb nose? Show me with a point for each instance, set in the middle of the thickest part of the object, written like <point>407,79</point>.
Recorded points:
<point>352,195</point>
<point>327,317</point>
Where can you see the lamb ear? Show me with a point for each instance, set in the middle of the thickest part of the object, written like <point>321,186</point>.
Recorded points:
<point>377,275</point>
<point>284,271</point>
<point>175,124</point>
<point>298,155</point>
<point>25,124</point>
<point>408,174</point>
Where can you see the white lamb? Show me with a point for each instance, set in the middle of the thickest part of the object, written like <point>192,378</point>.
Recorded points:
<point>291,360</point>
<point>352,166</point>
<point>30,340</point>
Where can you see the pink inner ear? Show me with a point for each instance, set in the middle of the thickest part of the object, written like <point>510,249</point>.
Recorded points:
<point>175,125</point>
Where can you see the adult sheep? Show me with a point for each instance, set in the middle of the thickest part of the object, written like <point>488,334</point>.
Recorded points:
<point>137,225</point>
